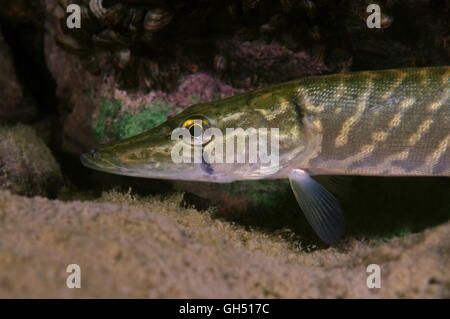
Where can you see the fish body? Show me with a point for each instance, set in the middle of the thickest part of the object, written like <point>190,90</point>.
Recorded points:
<point>383,123</point>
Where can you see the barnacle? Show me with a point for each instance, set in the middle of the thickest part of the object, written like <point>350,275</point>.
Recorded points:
<point>220,63</point>
<point>245,42</point>
<point>96,7</point>
<point>123,57</point>
<point>156,19</point>
<point>70,44</point>
<point>115,27</point>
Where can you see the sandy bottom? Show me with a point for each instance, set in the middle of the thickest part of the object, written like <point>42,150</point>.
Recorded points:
<point>151,247</point>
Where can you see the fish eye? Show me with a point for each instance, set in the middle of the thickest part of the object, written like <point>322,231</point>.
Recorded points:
<point>197,128</point>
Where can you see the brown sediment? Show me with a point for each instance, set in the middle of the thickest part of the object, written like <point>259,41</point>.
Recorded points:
<point>150,247</point>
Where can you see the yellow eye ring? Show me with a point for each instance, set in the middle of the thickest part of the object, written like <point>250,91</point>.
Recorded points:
<point>197,128</point>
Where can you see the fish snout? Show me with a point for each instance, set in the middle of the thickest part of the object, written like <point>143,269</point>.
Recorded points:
<point>97,160</point>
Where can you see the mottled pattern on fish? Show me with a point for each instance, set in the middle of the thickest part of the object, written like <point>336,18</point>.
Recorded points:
<point>393,122</point>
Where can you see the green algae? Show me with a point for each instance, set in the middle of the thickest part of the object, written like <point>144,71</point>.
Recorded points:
<point>109,110</point>
<point>112,123</point>
<point>148,116</point>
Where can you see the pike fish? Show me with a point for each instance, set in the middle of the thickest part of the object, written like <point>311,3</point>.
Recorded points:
<point>383,123</point>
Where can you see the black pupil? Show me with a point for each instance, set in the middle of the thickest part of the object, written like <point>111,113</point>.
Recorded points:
<point>195,130</point>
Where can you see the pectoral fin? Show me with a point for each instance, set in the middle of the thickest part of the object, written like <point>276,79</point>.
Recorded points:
<point>321,208</point>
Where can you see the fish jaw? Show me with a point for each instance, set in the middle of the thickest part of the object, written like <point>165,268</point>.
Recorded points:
<point>156,171</point>
<point>117,163</point>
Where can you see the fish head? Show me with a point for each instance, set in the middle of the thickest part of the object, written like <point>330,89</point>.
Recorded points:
<point>213,142</point>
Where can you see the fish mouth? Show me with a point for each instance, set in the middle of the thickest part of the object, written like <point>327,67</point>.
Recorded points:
<point>101,162</point>
<point>200,172</point>
<point>194,172</point>
<point>89,160</point>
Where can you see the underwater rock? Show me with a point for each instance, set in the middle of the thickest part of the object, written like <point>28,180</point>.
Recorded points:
<point>19,10</point>
<point>27,166</point>
<point>201,88</point>
<point>274,62</point>
<point>14,106</point>
<point>76,88</point>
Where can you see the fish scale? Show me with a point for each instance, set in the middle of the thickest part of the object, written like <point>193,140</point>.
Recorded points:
<point>377,122</point>
<point>382,123</point>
